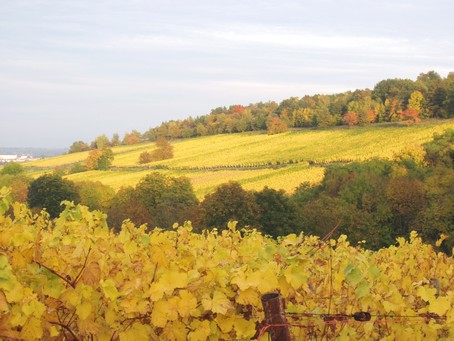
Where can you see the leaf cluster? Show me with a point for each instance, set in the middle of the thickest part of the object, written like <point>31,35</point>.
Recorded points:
<point>74,278</point>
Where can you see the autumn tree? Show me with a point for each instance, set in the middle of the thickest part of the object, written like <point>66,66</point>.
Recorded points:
<point>350,118</point>
<point>48,191</point>
<point>277,215</point>
<point>12,168</point>
<point>163,151</point>
<point>95,195</point>
<point>322,116</point>
<point>145,157</point>
<point>302,117</point>
<point>126,205</point>
<point>410,115</point>
<point>415,101</point>
<point>440,151</point>
<point>78,146</point>
<point>158,200</point>
<point>99,159</point>
<point>17,183</point>
<point>133,137</point>
<point>229,202</point>
<point>101,142</point>
<point>276,126</point>
<point>115,141</point>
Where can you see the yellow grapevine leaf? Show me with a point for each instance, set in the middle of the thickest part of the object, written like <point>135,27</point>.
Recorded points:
<point>241,281</point>
<point>16,294</point>
<point>249,296</point>
<point>137,332</point>
<point>91,274</point>
<point>88,327</point>
<point>390,307</point>
<point>175,331</point>
<point>163,311</point>
<point>22,238</point>
<point>220,303</point>
<point>201,330</point>
<point>268,281</point>
<point>34,307</point>
<point>109,289</point>
<point>83,310</point>
<point>3,303</point>
<point>225,323</point>
<point>71,297</point>
<point>426,293</point>
<point>156,291</point>
<point>439,305</point>
<point>295,276</point>
<point>172,280</point>
<point>352,274</point>
<point>362,289</point>
<point>244,329</point>
<point>32,329</point>
<point>21,258</point>
<point>186,304</point>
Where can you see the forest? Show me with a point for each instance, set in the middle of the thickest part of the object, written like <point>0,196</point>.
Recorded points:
<point>391,100</point>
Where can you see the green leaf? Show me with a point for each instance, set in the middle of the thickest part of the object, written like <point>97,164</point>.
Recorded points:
<point>352,274</point>
<point>362,289</point>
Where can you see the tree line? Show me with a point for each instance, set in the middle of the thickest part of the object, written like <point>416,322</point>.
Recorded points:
<point>391,100</point>
<point>375,201</point>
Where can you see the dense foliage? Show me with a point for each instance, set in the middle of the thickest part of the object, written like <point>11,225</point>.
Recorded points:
<point>48,191</point>
<point>391,100</point>
<point>157,200</point>
<point>74,278</point>
<point>377,200</point>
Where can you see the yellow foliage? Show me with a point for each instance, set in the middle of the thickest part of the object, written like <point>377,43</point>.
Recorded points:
<point>209,286</point>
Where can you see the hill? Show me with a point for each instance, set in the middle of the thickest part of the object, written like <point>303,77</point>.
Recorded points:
<point>255,159</point>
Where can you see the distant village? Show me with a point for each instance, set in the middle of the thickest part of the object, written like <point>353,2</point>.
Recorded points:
<point>16,158</point>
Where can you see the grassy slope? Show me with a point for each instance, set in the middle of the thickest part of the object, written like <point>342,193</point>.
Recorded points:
<point>239,149</point>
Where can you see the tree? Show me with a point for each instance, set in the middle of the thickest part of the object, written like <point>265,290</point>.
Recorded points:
<point>78,146</point>
<point>12,168</point>
<point>410,115</point>
<point>157,200</point>
<point>101,142</point>
<point>132,138</point>
<point>437,217</point>
<point>415,101</point>
<point>302,117</point>
<point>406,198</point>
<point>277,213</point>
<point>115,140</point>
<point>230,202</point>
<point>163,151</point>
<point>277,126</point>
<point>18,185</point>
<point>95,195</point>
<point>350,118</point>
<point>145,157</point>
<point>48,191</point>
<point>322,116</point>
<point>99,159</point>
<point>440,151</point>
<point>125,205</point>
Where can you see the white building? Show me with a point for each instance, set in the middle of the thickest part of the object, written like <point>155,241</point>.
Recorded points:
<point>15,158</point>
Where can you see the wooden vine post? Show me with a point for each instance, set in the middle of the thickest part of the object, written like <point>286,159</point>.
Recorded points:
<point>273,306</point>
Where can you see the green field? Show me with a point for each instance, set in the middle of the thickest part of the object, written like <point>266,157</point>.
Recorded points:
<point>281,160</point>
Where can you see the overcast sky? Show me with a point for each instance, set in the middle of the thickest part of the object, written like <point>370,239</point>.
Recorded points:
<point>72,70</point>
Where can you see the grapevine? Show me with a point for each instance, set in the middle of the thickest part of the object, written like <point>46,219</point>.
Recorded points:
<point>74,278</point>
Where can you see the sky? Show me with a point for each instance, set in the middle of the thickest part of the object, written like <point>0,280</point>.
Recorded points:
<point>73,70</point>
